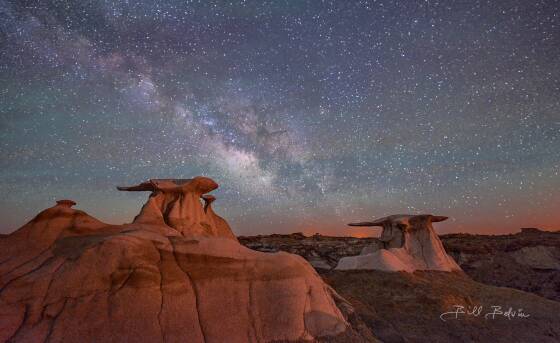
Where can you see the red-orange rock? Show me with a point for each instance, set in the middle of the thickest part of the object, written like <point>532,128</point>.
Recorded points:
<point>176,203</point>
<point>67,277</point>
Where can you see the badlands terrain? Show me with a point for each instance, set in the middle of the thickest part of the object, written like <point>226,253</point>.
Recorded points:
<point>518,271</point>
<point>177,273</point>
<point>528,260</point>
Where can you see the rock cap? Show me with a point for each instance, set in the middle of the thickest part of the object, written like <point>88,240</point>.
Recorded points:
<point>199,184</point>
<point>65,203</point>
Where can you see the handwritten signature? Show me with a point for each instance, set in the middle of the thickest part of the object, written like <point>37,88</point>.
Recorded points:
<point>478,311</point>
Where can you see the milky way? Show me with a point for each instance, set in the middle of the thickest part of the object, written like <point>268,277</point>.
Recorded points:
<point>308,114</point>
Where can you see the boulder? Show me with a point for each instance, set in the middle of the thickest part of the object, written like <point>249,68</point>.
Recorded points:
<point>407,243</point>
<point>176,273</point>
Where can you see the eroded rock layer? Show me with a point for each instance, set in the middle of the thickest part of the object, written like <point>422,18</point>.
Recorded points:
<point>407,243</point>
<point>526,261</point>
<point>67,277</point>
<point>177,203</point>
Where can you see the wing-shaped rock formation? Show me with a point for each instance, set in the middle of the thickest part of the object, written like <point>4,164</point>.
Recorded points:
<point>407,243</point>
<point>176,203</point>
<point>176,273</point>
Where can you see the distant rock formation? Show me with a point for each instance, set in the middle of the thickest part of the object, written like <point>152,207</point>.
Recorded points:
<point>406,307</point>
<point>407,243</point>
<point>323,252</point>
<point>531,230</point>
<point>176,273</point>
<point>528,260</point>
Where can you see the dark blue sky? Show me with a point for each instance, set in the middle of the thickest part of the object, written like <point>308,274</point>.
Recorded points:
<point>309,114</point>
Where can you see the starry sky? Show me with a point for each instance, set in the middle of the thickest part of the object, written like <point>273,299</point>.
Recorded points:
<point>309,114</point>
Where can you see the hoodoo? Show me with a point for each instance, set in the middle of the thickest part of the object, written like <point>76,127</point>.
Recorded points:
<point>176,203</point>
<point>407,243</point>
<point>176,273</point>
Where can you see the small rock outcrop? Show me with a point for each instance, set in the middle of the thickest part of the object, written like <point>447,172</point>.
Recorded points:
<point>407,243</point>
<point>66,203</point>
<point>531,230</point>
<point>176,273</point>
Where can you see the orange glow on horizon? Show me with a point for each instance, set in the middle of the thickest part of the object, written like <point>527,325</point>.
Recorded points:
<point>339,232</point>
<point>363,234</point>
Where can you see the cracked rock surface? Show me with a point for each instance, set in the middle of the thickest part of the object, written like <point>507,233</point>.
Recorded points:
<point>67,277</point>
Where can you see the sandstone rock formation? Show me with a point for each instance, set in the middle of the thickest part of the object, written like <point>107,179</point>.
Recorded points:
<point>176,203</point>
<point>407,243</point>
<point>176,273</point>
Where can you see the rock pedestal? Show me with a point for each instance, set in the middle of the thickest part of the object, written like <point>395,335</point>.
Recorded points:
<point>177,203</point>
<point>407,243</point>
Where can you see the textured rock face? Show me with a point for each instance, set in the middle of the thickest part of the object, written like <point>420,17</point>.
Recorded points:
<point>539,257</point>
<point>407,243</point>
<point>406,307</point>
<point>323,252</point>
<point>527,261</point>
<point>177,203</point>
<point>68,277</point>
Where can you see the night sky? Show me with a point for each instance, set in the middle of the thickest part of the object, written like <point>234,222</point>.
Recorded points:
<point>309,114</point>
